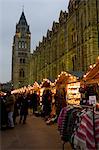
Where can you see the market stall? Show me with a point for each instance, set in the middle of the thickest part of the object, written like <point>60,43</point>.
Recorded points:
<point>92,75</point>
<point>90,85</point>
<point>46,84</point>
<point>69,85</point>
<point>36,87</point>
<point>80,130</point>
<point>46,97</point>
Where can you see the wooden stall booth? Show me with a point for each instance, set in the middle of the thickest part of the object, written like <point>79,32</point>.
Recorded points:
<point>90,82</point>
<point>46,84</point>
<point>36,87</point>
<point>92,75</point>
<point>68,85</point>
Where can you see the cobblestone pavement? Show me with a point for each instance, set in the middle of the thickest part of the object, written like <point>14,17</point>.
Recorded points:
<point>34,135</point>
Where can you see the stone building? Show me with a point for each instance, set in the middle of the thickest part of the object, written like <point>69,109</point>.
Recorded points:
<point>21,53</point>
<point>72,44</point>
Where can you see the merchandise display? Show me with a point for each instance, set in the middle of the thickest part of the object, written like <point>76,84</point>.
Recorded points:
<point>79,126</point>
<point>73,94</point>
<point>90,85</point>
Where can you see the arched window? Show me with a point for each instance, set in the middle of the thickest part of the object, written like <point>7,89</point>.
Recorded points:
<point>20,60</point>
<point>21,73</point>
<point>23,60</point>
<point>19,45</point>
<point>23,44</point>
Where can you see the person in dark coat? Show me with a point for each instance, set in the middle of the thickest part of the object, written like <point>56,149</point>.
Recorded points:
<point>60,100</point>
<point>16,111</point>
<point>23,109</point>
<point>3,113</point>
<point>47,101</point>
<point>34,101</point>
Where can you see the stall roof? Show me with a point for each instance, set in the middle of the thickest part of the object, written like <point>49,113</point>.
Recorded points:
<point>78,74</point>
<point>46,83</point>
<point>65,77</point>
<point>93,74</point>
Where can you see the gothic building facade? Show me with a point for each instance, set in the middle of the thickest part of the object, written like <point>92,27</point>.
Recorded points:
<point>21,53</point>
<point>72,44</point>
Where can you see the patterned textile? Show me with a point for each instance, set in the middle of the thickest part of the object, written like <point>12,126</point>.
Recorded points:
<point>84,137</point>
<point>61,118</point>
<point>77,126</point>
<point>68,124</point>
<point>97,129</point>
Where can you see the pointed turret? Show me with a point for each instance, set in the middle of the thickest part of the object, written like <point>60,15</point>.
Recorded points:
<point>22,20</point>
<point>73,4</point>
<point>22,26</point>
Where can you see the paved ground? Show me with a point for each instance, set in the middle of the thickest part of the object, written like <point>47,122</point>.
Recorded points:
<point>35,135</point>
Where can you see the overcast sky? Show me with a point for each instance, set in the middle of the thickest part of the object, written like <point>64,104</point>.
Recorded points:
<point>40,15</point>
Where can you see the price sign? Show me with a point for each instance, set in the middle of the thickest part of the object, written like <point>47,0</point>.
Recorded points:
<point>92,99</point>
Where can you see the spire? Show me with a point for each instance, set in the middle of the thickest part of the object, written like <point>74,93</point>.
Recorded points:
<point>22,20</point>
<point>22,25</point>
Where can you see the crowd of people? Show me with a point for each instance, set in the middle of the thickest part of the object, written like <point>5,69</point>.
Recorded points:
<point>15,106</point>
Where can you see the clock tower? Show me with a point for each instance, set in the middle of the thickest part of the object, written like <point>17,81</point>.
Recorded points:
<point>21,53</point>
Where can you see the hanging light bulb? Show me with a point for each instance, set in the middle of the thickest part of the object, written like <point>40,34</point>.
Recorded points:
<point>91,66</point>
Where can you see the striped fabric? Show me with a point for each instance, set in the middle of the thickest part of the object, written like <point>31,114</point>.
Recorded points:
<point>84,136</point>
<point>61,118</point>
<point>97,129</point>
